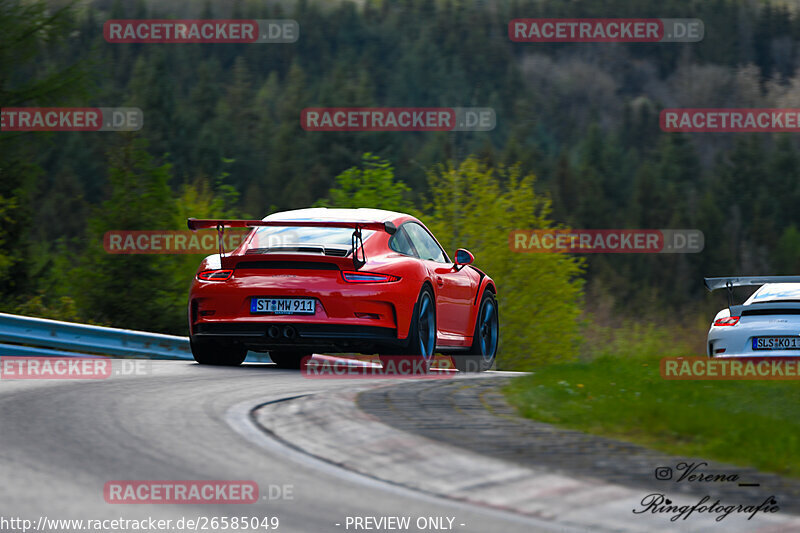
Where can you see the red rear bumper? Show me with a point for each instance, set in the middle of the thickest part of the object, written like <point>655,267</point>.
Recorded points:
<point>361,311</point>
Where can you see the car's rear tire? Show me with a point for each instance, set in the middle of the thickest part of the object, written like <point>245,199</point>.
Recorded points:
<point>288,359</point>
<point>422,333</point>
<point>482,353</point>
<point>217,353</point>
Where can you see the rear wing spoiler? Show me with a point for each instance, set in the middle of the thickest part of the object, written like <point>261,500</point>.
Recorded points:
<point>713,284</point>
<point>212,223</point>
<point>356,225</point>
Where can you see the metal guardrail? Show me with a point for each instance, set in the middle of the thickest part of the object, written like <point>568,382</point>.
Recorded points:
<point>42,337</point>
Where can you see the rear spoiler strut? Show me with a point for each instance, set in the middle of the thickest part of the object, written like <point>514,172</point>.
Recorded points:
<point>220,225</point>
<point>713,284</point>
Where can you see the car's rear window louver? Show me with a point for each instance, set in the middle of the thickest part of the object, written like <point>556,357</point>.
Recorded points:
<point>285,265</point>
<point>334,252</point>
<point>294,249</point>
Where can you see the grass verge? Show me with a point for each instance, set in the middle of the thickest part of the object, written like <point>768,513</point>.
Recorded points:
<point>748,423</point>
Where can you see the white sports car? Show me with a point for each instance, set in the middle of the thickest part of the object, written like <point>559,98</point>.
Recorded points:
<point>766,325</point>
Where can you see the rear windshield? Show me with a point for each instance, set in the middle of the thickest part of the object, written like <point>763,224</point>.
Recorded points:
<point>777,292</point>
<point>286,236</point>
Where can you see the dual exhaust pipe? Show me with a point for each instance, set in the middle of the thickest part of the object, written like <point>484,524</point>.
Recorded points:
<point>287,332</point>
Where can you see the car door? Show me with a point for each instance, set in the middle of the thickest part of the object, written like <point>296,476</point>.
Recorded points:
<point>454,289</point>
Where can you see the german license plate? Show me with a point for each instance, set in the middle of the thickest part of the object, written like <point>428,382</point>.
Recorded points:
<point>776,343</point>
<point>283,306</point>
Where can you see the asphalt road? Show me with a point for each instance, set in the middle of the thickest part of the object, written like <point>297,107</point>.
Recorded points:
<point>61,441</point>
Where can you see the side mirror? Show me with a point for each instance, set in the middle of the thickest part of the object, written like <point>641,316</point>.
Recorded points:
<point>464,257</point>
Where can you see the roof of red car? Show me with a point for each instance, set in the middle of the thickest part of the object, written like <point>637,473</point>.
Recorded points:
<point>336,214</point>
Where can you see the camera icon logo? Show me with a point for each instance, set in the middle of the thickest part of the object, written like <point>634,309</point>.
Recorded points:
<point>663,473</point>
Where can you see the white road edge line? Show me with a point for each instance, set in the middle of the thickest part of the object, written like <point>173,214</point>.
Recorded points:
<point>239,418</point>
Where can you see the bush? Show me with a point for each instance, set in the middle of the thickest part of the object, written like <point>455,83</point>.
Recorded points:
<point>475,207</point>
<point>539,295</point>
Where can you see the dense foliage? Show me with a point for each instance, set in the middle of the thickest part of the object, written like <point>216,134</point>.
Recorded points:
<point>223,120</point>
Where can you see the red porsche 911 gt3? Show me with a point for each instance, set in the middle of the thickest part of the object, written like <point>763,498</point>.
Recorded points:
<point>340,281</point>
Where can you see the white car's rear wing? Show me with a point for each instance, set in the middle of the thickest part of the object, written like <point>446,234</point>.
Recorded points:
<point>713,284</point>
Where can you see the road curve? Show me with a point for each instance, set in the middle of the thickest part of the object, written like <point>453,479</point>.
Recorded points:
<point>61,441</point>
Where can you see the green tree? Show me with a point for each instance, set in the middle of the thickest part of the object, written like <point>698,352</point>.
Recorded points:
<point>7,206</point>
<point>145,292</point>
<point>135,291</point>
<point>787,252</point>
<point>540,295</point>
<point>26,29</point>
<point>372,185</point>
<point>475,207</point>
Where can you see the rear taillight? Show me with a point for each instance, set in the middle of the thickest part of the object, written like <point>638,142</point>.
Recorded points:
<point>727,321</point>
<point>353,276</point>
<point>215,275</point>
